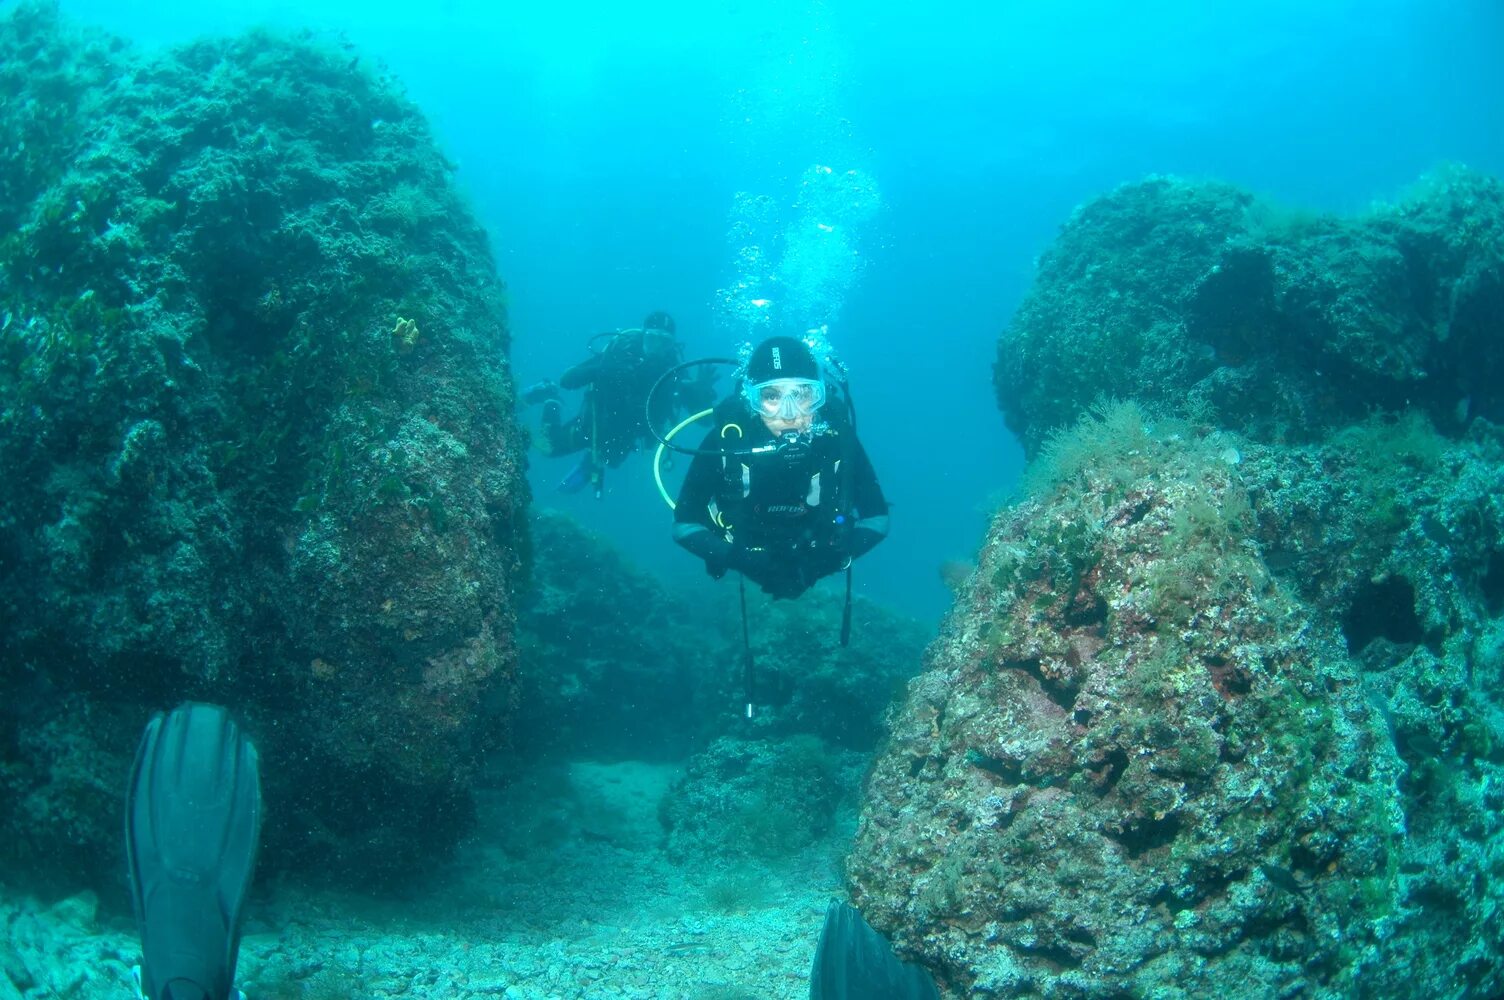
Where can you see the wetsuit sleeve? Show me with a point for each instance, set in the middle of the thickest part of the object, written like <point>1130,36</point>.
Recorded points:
<point>693,528</point>
<point>871,507</point>
<point>584,373</point>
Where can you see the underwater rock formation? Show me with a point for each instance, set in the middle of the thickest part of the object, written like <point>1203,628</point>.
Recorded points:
<point>753,799</point>
<point>256,421</point>
<point>815,685</point>
<point>1202,723</point>
<point>1222,708</point>
<point>611,662</point>
<point>614,664</point>
<point>1201,300</point>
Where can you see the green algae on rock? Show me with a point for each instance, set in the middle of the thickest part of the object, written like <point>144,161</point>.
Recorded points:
<point>753,799</point>
<point>1153,754</point>
<point>1203,301</point>
<point>256,417</point>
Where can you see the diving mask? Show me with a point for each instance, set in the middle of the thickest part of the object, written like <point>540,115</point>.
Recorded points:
<point>786,398</point>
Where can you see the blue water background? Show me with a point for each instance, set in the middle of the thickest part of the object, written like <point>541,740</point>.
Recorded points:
<point>603,146</point>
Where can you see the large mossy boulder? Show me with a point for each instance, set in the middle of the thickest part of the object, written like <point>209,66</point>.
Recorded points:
<point>1202,300</point>
<point>256,421</point>
<point>1200,724</point>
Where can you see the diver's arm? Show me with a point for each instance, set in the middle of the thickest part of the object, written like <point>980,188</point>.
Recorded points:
<point>865,535</point>
<point>719,555</point>
<point>698,490</point>
<point>870,507</point>
<point>694,531</point>
<point>704,543</point>
<point>584,373</point>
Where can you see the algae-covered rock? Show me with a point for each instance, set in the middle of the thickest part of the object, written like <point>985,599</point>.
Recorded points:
<point>63,776</point>
<point>1202,300</point>
<point>611,661</point>
<point>815,685</point>
<point>1155,754</point>
<point>753,799</point>
<point>256,421</point>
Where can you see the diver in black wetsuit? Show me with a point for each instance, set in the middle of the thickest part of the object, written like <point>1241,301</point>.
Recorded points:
<point>613,421</point>
<point>781,490</point>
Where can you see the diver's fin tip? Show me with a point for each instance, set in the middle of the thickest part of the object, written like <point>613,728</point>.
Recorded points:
<point>193,807</point>
<point>855,962</point>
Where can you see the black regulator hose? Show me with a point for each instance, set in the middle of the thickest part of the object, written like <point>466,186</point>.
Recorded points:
<point>653,392</point>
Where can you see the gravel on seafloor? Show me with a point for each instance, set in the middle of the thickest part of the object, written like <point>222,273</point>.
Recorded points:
<point>589,909</point>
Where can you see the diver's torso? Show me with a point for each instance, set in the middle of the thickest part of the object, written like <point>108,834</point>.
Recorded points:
<point>785,493</point>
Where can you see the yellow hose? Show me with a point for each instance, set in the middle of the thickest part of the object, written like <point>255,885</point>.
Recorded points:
<point>662,446</point>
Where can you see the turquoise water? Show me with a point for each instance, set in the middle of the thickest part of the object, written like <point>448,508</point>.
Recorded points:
<point>1217,700</point>
<point>604,151</point>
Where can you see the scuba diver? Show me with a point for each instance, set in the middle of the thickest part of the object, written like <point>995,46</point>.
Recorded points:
<point>192,828</point>
<point>781,490</point>
<point>616,415</point>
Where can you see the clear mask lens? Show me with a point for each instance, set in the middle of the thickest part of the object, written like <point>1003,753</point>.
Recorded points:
<point>786,398</point>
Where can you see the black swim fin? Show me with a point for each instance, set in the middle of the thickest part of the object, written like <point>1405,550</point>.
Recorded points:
<point>855,962</point>
<point>192,826</point>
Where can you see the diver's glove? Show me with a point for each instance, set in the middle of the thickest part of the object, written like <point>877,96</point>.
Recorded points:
<point>828,559</point>
<point>540,392</point>
<point>625,351</point>
<point>718,559</point>
<point>720,555</point>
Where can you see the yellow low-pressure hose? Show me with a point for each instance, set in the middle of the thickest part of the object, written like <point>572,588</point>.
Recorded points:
<point>663,445</point>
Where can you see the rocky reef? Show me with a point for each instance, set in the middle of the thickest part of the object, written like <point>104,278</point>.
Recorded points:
<point>613,665</point>
<point>256,421</point>
<point>744,798</point>
<point>1221,709</point>
<point>1201,300</point>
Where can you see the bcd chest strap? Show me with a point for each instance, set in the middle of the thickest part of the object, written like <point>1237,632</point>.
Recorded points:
<point>782,481</point>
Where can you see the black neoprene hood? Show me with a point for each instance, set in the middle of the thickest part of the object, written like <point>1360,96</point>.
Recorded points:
<point>781,357</point>
<point>659,320</point>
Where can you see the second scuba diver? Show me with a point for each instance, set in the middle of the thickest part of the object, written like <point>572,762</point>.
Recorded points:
<point>781,490</point>
<point>612,421</point>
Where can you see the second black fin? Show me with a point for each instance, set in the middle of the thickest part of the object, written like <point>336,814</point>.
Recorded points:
<point>855,962</point>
